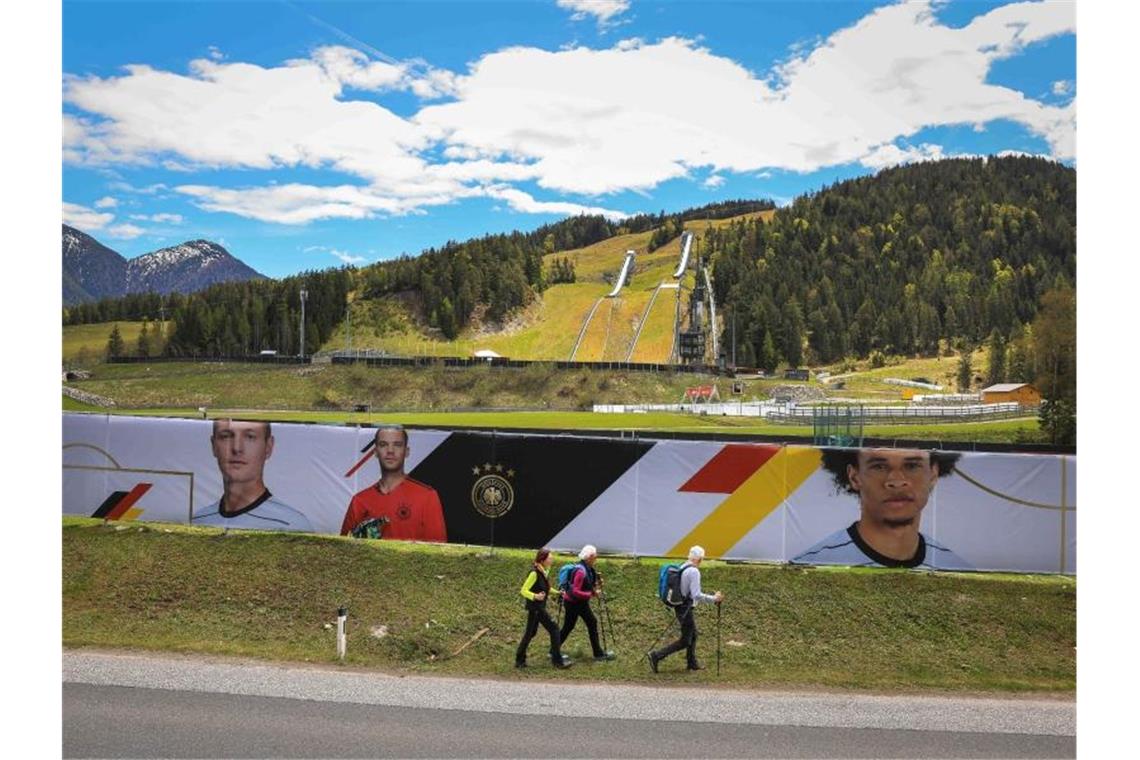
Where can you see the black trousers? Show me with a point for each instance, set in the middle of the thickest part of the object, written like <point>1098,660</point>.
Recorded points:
<point>575,610</point>
<point>688,640</point>
<point>536,616</point>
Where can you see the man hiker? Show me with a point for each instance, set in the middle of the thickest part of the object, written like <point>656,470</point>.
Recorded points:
<point>691,592</point>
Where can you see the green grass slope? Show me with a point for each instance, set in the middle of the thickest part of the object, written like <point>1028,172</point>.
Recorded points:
<point>275,596</point>
<point>87,344</point>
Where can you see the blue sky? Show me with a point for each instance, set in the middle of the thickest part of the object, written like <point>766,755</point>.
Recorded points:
<point>304,135</point>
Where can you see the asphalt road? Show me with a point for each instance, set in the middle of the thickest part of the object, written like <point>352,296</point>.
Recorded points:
<point>132,705</point>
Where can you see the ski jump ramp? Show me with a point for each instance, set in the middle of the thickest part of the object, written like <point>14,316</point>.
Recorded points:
<point>624,276</point>
<point>582,331</point>
<point>686,243</point>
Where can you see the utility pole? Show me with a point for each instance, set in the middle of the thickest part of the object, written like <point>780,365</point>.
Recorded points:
<point>734,337</point>
<point>348,328</point>
<point>304,297</point>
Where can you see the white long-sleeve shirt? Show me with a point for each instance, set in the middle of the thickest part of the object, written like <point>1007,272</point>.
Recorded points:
<point>691,586</point>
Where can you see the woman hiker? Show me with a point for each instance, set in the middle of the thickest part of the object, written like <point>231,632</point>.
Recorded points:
<point>534,590</point>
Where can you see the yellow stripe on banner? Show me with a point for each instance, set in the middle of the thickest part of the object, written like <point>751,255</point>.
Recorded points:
<point>131,513</point>
<point>755,499</point>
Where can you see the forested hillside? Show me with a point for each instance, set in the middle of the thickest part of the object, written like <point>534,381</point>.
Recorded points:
<point>958,249</point>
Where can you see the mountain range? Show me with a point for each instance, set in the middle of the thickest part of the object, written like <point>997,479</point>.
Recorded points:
<point>92,271</point>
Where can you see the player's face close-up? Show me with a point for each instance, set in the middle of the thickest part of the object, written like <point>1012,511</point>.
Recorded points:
<point>893,484</point>
<point>391,450</point>
<point>241,449</point>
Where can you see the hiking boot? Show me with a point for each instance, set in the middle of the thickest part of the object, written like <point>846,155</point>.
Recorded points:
<point>520,663</point>
<point>694,665</point>
<point>653,660</point>
<point>563,663</point>
<point>604,657</point>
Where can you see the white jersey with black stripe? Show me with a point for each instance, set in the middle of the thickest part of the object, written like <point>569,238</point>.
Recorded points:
<point>265,513</point>
<point>846,547</point>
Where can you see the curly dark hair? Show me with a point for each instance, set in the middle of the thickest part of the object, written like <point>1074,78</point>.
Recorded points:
<point>836,461</point>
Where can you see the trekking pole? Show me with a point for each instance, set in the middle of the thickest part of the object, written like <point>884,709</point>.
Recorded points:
<point>609,620</point>
<point>559,621</point>
<point>602,623</point>
<point>718,639</point>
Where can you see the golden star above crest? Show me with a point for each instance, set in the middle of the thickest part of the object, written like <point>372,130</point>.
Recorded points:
<point>498,468</point>
<point>475,470</point>
<point>510,473</point>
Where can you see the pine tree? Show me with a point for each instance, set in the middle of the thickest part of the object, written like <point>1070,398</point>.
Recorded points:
<point>965,370</point>
<point>143,346</point>
<point>115,342</point>
<point>995,369</point>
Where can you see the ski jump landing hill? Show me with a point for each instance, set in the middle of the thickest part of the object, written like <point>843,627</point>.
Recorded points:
<point>622,281</point>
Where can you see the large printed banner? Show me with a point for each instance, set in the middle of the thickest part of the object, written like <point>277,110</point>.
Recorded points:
<point>872,507</point>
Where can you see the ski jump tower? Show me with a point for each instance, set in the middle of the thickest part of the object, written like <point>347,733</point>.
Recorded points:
<point>693,340</point>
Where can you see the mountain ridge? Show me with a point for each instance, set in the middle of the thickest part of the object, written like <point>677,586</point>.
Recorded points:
<point>93,271</point>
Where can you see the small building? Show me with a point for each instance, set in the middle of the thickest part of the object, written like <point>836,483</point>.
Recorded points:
<point>1021,393</point>
<point>700,394</point>
<point>796,374</point>
<point>488,354</point>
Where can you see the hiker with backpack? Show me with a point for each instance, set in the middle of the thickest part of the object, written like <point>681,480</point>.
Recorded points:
<point>579,584</point>
<point>679,586</point>
<point>535,590</point>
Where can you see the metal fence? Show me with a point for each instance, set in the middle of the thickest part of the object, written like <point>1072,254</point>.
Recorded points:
<point>903,415</point>
<point>240,359</point>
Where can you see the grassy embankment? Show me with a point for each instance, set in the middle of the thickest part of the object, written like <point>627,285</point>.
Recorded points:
<point>868,382</point>
<point>86,344</point>
<point>273,596</point>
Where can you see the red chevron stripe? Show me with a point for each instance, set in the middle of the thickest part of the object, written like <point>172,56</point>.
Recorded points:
<point>731,466</point>
<point>128,501</point>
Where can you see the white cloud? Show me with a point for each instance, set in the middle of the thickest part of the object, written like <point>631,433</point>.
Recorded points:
<point>713,181</point>
<point>435,83</point>
<point>348,258</point>
<point>576,120</point>
<point>215,53</point>
<point>597,121</point>
<point>520,201</point>
<point>892,155</point>
<point>126,187</point>
<point>353,68</point>
<point>603,10</point>
<point>242,115</point>
<point>291,203</point>
<point>1062,87</point>
<point>160,218</point>
<point>300,204</point>
<point>83,218</point>
<point>125,231</point>
<point>106,202</point>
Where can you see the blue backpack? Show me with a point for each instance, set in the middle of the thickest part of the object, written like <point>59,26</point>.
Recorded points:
<point>566,575</point>
<point>669,584</point>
